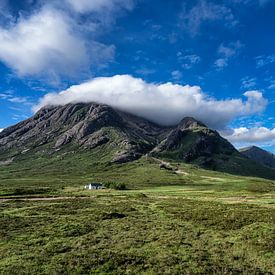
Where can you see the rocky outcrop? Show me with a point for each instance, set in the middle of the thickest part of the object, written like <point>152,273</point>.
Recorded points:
<point>126,156</point>
<point>84,125</point>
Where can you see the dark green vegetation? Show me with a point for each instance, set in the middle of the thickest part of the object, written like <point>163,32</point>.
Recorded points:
<point>115,185</point>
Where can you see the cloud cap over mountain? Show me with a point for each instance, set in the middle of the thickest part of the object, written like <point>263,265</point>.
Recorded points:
<point>165,104</point>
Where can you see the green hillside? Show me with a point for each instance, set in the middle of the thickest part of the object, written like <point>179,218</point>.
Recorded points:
<point>66,168</point>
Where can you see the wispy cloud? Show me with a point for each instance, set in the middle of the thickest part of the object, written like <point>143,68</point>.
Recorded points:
<point>205,11</point>
<point>271,85</point>
<point>220,63</point>
<point>6,95</point>
<point>100,6</point>
<point>227,52</point>
<point>176,75</point>
<point>264,60</point>
<point>188,61</point>
<point>145,71</point>
<point>248,82</point>
<point>259,3</point>
<point>11,97</point>
<point>230,50</point>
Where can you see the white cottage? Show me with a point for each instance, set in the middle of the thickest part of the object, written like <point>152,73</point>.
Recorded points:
<point>94,186</point>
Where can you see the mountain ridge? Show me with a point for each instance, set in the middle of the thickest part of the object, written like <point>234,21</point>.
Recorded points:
<point>122,137</point>
<point>259,155</point>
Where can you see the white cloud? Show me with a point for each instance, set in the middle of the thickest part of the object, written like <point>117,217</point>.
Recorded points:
<point>51,42</point>
<point>205,11</point>
<point>42,42</point>
<point>164,103</point>
<point>1,129</point>
<point>251,136</point>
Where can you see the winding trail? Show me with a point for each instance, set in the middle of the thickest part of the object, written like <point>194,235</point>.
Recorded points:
<point>169,165</point>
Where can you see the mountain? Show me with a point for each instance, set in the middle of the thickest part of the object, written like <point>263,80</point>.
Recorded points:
<point>259,155</point>
<point>191,141</point>
<point>114,136</point>
<point>85,127</point>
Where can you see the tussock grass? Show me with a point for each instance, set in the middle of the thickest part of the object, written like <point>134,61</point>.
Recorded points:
<point>135,234</point>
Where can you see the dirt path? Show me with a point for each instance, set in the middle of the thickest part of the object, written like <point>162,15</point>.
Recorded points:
<point>161,161</point>
<point>181,172</point>
<point>169,165</point>
<point>213,178</point>
<point>40,198</point>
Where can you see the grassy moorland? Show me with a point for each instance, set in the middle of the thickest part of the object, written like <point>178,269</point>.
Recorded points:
<point>184,221</point>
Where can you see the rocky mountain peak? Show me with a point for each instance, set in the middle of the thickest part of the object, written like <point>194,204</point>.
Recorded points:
<point>190,123</point>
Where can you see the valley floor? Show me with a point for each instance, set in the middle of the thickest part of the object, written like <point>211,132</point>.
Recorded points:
<point>171,230</point>
<point>181,221</point>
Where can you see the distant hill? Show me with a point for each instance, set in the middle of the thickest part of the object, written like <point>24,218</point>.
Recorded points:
<point>259,155</point>
<point>117,137</point>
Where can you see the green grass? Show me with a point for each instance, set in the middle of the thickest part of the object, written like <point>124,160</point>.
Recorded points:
<point>135,233</point>
<point>193,222</point>
<point>54,172</point>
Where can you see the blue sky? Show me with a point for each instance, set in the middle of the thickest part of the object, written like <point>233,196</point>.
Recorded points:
<point>218,57</point>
